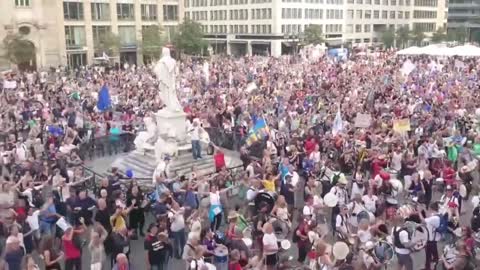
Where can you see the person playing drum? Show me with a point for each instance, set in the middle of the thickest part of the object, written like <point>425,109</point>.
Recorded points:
<point>433,223</point>
<point>368,258</point>
<point>280,210</point>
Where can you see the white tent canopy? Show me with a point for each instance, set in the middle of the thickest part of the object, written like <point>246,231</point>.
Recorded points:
<point>442,50</point>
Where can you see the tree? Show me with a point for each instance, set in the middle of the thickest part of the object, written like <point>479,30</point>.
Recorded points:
<point>439,35</point>
<point>152,42</point>
<point>18,49</point>
<point>108,43</point>
<point>402,37</point>
<point>417,36</point>
<point>313,34</point>
<point>189,38</point>
<point>457,34</point>
<point>388,38</point>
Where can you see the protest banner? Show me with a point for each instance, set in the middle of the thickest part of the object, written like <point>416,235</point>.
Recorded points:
<point>401,125</point>
<point>363,120</point>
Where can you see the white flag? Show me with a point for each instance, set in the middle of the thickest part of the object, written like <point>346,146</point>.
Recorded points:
<point>105,56</point>
<point>337,122</point>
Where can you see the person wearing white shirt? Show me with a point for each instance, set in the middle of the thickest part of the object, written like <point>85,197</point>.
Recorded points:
<point>449,203</point>
<point>195,131</point>
<point>177,227</point>
<point>370,201</point>
<point>401,242</point>
<point>341,223</point>
<point>432,223</point>
<point>270,246</point>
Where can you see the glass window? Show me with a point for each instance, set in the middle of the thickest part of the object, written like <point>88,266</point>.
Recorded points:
<point>393,2</point>
<point>359,14</point>
<point>98,32</point>
<point>22,3</point>
<point>407,14</point>
<point>170,12</point>
<point>126,12</point>
<point>377,2</point>
<point>100,11</point>
<point>75,37</point>
<point>367,28</point>
<point>392,14</point>
<point>384,14</point>
<point>350,14</point>
<point>358,28</point>
<point>376,14</point>
<point>72,11</point>
<point>127,36</point>
<point>368,14</point>
<point>349,28</point>
<point>149,12</point>
<point>400,15</point>
<point>359,2</point>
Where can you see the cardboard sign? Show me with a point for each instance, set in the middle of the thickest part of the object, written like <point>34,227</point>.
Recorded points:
<point>401,125</point>
<point>363,120</point>
<point>10,84</point>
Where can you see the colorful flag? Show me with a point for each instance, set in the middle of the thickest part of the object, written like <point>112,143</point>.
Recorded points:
<point>259,131</point>
<point>104,101</point>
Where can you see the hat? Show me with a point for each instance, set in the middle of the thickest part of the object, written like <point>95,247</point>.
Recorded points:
<point>232,215</point>
<point>382,157</point>
<point>369,245</point>
<point>342,179</point>
<point>449,187</point>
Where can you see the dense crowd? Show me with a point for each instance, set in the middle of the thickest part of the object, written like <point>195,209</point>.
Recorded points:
<point>368,162</point>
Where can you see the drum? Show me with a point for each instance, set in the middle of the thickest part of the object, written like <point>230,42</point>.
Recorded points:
<point>265,198</point>
<point>330,199</point>
<point>285,244</point>
<point>363,215</point>
<point>220,256</point>
<point>280,229</point>
<point>391,202</point>
<point>340,250</point>
<point>419,237</point>
<point>393,173</point>
<point>383,252</point>
<point>405,211</point>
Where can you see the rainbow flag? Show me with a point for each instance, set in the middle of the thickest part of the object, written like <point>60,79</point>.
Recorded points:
<point>259,131</point>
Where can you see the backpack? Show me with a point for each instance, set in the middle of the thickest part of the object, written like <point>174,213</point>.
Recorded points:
<point>443,226</point>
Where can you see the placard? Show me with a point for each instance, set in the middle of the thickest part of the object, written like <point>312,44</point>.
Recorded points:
<point>363,120</point>
<point>10,84</point>
<point>401,125</point>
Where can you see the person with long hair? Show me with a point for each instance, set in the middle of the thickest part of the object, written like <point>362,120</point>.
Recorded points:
<point>136,200</point>
<point>28,263</point>
<point>50,255</point>
<point>96,246</point>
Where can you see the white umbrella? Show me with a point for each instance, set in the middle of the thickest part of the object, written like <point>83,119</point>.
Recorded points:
<point>409,51</point>
<point>466,50</point>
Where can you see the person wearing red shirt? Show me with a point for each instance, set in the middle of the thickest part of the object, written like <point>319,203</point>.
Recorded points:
<point>73,255</point>
<point>219,158</point>
<point>378,164</point>
<point>310,145</point>
<point>234,263</point>
<point>449,175</point>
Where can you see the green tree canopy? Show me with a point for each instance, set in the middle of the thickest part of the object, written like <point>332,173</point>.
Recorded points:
<point>313,34</point>
<point>388,38</point>
<point>18,50</point>
<point>439,36</point>
<point>108,43</point>
<point>189,38</point>
<point>417,36</point>
<point>402,36</point>
<point>152,41</point>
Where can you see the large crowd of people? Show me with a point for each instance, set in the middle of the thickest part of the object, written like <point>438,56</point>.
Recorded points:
<point>368,161</point>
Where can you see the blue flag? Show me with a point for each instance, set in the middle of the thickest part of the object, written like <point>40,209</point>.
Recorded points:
<point>104,102</point>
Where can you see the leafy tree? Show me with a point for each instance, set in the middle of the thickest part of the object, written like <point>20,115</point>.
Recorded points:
<point>18,50</point>
<point>108,43</point>
<point>313,34</point>
<point>402,37</point>
<point>388,38</point>
<point>457,34</point>
<point>189,38</point>
<point>418,36</point>
<point>439,36</point>
<point>152,42</point>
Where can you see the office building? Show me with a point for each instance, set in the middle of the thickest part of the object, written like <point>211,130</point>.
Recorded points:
<point>465,15</point>
<point>65,32</point>
<point>275,26</point>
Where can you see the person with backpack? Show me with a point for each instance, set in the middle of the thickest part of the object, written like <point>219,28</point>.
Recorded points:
<point>463,260</point>
<point>402,243</point>
<point>437,224</point>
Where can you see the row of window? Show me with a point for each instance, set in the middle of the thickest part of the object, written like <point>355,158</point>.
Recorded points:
<point>423,14</point>
<point>426,3</point>
<point>378,2</point>
<point>334,14</point>
<point>101,12</point>
<point>239,29</point>
<point>291,13</point>
<point>219,15</point>
<point>367,14</point>
<point>75,36</point>
<point>425,27</point>
<point>199,15</point>
<point>204,3</point>
<point>261,14</point>
<point>311,13</point>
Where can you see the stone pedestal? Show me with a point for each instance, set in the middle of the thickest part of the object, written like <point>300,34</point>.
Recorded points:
<point>172,124</point>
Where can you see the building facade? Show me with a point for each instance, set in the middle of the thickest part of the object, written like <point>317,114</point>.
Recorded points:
<point>275,26</point>
<point>465,14</point>
<point>65,32</point>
